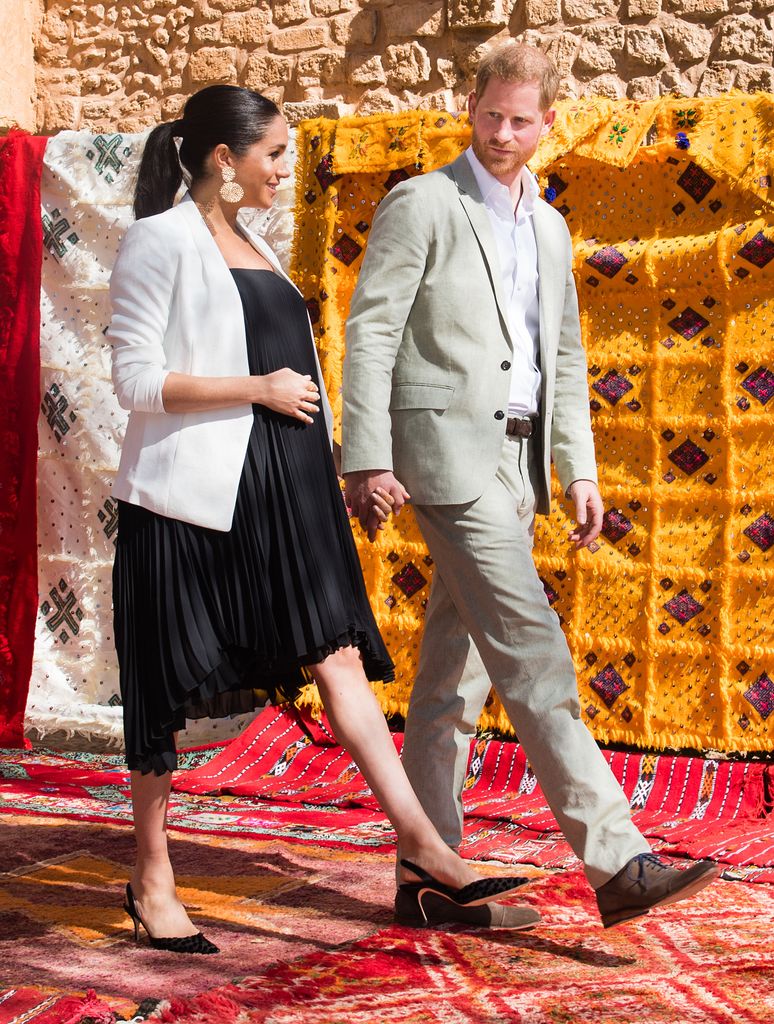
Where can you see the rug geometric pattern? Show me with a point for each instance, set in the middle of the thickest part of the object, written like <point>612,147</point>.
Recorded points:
<point>62,889</point>
<point>708,960</point>
<point>285,778</point>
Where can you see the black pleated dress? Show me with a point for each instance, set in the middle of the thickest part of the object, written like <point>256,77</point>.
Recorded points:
<point>209,623</point>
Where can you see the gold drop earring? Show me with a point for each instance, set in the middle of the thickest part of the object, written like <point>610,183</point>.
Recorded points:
<point>230,191</point>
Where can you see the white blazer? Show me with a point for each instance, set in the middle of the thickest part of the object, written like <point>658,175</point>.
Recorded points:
<point>176,307</point>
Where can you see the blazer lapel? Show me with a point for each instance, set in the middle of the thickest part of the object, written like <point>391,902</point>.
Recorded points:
<point>550,287</point>
<point>475,210</point>
<point>220,280</point>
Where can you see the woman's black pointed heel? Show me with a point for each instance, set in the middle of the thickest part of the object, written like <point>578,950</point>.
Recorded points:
<point>180,944</point>
<point>483,890</point>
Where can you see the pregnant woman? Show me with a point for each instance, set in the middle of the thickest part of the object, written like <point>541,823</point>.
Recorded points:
<point>236,575</point>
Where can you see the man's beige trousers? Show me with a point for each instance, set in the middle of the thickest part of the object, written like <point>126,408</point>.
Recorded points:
<point>488,619</point>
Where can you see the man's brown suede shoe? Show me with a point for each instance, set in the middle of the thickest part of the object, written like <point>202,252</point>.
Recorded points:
<point>441,911</point>
<point>646,882</point>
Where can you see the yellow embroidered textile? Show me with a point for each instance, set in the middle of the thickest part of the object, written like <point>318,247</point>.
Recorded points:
<point>669,616</point>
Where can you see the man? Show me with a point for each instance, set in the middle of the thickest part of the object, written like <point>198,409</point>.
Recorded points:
<point>464,378</point>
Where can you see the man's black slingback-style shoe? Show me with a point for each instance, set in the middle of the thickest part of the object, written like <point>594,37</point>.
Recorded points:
<point>178,944</point>
<point>474,894</point>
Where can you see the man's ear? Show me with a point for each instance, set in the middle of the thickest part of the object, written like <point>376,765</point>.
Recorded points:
<point>472,98</point>
<point>548,119</point>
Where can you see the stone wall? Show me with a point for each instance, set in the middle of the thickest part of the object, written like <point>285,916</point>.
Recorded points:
<point>19,28</point>
<point>130,64</point>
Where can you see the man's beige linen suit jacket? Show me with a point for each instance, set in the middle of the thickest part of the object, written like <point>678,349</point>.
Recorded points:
<point>428,363</point>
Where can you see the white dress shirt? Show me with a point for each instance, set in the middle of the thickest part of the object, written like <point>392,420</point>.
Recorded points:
<point>517,251</point>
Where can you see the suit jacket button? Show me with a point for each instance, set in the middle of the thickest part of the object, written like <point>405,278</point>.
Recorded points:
<point>505,365</point>
<point>499,415</point>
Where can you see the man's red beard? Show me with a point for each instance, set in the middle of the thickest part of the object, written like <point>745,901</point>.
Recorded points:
<point>497,163</point>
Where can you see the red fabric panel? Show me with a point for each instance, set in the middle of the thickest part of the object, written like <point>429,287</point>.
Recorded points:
<point>21,244</point>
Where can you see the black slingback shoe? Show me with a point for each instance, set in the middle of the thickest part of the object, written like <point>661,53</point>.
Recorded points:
<point>474,894</point>
<point>179,944</point>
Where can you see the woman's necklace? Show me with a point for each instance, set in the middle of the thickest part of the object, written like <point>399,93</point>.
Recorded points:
<point>205,209</point>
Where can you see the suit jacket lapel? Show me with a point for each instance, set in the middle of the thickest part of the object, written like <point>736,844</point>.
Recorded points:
<point>550,287</point>
<point>473,205</point>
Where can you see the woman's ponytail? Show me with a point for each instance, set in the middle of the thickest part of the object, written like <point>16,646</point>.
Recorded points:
<point>160,173</point>
<point>226,114</point>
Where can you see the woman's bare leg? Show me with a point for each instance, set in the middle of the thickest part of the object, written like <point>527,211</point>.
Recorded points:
<point>360,727</point>
<point>153,881</point>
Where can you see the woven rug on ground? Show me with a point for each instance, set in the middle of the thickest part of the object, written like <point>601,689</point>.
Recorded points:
<point>706,960</point>
<point>25,1005</point>
<point>285,777</point>
<point>62,927</point>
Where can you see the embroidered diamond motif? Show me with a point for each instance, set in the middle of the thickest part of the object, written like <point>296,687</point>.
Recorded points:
<point>615,525</point>
<point>409,579</point>
<point>66,615</point>
<point>760,384</point>
<point>761,532</point>
<point>609,685</point>
<point>688,323</point>
<point>612,386</point>
<point>108,516</point>
<point>696,182</point>
<point>607,261</point>
<point>556,183</point>
<point>346,249</point>
<point>759,250</point>
<point>761,695</point>
<point>395,178</point>
<point>313,309</point>
<point>683,607</point>
<point>56,408</point>
<point>324,172</point>
<point>550,593</point>
<point>689,457</point>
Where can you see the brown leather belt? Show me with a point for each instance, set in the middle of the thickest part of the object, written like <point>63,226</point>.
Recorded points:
<point>520,426</point>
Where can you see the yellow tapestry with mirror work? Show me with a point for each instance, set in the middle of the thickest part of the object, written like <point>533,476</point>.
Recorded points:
<point>670,614</point>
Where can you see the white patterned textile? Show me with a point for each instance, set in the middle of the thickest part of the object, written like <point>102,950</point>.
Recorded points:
<point>86,196</point>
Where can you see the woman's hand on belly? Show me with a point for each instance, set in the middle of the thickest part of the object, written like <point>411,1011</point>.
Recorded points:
<point>284,391</point>
<point>287,392</point>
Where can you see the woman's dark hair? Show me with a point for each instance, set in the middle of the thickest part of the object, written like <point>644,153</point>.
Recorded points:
<point>218,114</point>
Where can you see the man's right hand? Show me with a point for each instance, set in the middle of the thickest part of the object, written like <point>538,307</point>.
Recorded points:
<point>359,489</point>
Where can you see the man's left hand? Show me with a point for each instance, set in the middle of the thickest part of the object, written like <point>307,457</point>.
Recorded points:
<point>588,512</point>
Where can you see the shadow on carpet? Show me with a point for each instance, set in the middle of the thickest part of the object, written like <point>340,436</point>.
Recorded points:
<point>706,960</point>
<point>63,931</point>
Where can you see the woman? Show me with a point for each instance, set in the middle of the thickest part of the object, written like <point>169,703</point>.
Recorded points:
<point>236,574</point>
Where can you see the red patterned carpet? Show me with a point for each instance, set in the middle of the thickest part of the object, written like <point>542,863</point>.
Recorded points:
<point>709,960</point>
<point>306,924</point>
<point>285,778</point>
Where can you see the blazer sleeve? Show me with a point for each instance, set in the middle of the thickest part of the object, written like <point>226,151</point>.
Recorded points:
<point>572,440</point>
<point>390,275</point>
<point>141,292</point>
